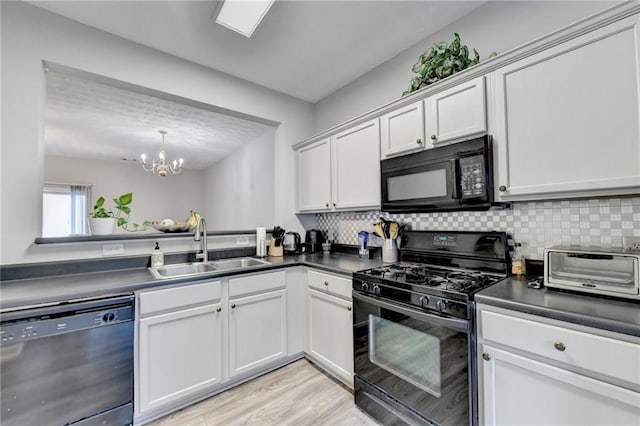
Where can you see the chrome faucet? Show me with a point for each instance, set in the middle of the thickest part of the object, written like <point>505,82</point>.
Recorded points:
<point>201,235</point>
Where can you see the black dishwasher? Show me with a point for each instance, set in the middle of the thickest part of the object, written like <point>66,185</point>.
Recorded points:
<point>68,364</point>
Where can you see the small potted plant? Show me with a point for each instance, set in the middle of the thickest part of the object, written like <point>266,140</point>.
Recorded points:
<point>102,221</point>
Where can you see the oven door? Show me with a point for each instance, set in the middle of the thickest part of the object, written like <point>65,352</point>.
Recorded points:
<point>417,358</point>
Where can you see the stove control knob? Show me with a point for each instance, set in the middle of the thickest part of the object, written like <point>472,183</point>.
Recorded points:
<point>424,301</point>
<point>441,305</point>
<point>365,287</point>
<point>376,289</point>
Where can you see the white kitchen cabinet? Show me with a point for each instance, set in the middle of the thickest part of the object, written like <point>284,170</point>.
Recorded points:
<point>566,124</point>
<point>314,176</point>
<point>341,172</point>
<point>402,130</point>
<point>456,114</point>
<point>355,164</point>
<point>533,370</point>
<point>179,346</point>
<point>257,322</point>
<point>329,324</point>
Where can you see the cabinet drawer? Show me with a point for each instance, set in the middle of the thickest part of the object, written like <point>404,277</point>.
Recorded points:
<point>177,297</point>
<point>257,283</point>
<point>602,355</point>
<point>330,283</point>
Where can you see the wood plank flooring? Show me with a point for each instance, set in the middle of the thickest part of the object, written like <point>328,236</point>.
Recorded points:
<point>297,394</point>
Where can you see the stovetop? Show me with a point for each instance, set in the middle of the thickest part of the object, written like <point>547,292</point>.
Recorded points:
<point>439,271</point>
<point>432,276</point>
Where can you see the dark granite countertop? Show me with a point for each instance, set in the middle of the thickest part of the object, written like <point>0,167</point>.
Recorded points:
<point>592,311</point>
<point>18,294</point>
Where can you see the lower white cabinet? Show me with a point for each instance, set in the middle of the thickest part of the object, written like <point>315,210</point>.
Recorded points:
<point>330,333</point>
<point>257,330</point>
<point>329,324</point>
<point>537,371</point>
<point>180,354</point>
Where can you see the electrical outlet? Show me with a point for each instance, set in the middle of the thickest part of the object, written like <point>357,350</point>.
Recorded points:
<point>112,249</point>
<point>631,243</point>
<point>242,241</point>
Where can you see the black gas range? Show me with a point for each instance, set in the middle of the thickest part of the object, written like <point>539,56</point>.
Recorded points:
<point>414,327</point>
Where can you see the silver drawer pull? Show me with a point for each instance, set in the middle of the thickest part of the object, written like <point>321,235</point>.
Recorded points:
<point>559,346</point>
<point>486,356</point>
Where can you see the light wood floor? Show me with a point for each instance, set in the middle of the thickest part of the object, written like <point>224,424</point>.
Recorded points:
<point>297,394</point>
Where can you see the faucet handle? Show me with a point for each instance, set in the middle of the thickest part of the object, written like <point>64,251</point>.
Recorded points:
<point>200,255</point>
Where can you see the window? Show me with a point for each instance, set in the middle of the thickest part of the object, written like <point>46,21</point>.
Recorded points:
<point>65,209</point>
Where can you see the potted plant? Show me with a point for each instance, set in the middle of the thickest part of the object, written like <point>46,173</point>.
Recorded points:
<point>102,221</point>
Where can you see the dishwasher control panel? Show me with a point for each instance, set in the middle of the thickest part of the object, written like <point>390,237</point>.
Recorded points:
<point>48,325</point>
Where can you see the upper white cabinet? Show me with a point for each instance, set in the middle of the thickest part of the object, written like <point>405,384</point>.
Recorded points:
<point>355,160</point>
<point>402,130</point>
<point>448,116</point>
<point>341,172</point>
<point>314,176</point>
<point>566,119</point>
<point>456,113</point>
<point>581,375</point>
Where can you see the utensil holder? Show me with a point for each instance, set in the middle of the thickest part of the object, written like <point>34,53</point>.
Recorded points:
<point>274,250</point>
<point>389,251</point>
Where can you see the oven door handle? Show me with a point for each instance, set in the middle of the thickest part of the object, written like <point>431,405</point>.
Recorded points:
<point>454,323</point>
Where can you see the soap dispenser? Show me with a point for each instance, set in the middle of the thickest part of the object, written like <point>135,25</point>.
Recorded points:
<point>157,257</point>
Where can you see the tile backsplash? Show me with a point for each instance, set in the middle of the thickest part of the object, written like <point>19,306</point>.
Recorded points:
<point>593,222</point>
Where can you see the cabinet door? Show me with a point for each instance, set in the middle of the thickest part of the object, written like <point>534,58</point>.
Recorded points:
<point>402,130</point>
<point>517,390</point>
<point>314,176</point>
<point>456,113</point>
<point>568,125</point>
<point>330,334</point>
<point>180,354</point>
<point>356,167</point>
<point>257,331</point>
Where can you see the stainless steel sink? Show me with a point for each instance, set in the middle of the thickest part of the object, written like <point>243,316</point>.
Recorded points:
<point>182,270</point>
<point>237,263</point>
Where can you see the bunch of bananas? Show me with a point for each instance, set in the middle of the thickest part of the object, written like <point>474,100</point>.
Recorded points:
<point>193,220</point>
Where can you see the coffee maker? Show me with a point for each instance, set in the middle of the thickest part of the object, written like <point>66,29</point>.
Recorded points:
<point>313,240</point>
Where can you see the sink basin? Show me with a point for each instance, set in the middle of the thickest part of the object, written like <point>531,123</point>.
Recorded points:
<point>189,269</point>
<point>237,263</point>
<point>182,270</point>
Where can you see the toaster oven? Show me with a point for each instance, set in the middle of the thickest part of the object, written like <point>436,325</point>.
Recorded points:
<point>606,272</point>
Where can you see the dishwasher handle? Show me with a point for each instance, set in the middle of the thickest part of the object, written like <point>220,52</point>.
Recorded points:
<point>76,317</point>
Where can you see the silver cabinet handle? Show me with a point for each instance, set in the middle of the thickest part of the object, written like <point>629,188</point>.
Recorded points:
<point>434,137</point>
<point>502,188</point>
<point>218,309</point>
<point>334,204</point>
<point>560,346</point>
<point>349,308</point>
<point>233,306</point>
<point>326,204</point>
<point>486,356</point>
<point>326,283</point>
<point>419,141</point>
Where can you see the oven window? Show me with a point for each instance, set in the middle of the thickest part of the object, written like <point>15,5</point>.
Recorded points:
<point>406,352</point>
<point>429,184</point>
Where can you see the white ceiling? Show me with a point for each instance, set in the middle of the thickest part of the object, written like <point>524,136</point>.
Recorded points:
<point>89,119</point>
<point>307,49</point>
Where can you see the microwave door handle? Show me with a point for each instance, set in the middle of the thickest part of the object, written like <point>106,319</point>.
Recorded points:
<point>454,175</point>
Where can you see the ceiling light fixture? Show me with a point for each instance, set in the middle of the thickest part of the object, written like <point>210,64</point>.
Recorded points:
<point>160,167</point>
<point>243,16</point>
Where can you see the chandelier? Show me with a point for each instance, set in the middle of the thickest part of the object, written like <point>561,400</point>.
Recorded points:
<point>160,167</point>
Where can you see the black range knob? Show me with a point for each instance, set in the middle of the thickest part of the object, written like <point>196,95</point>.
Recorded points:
<point>376,289</point>
<point>365,287</point>
<point>441,305</point>
<point>424,301</point>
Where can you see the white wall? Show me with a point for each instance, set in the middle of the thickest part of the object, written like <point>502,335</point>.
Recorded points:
<point>153,197</point>
<point>497,26</point>
<point>29,35</point>
<point>239,188</point>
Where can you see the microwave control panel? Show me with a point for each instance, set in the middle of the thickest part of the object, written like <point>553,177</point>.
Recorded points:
<point>472,177</point>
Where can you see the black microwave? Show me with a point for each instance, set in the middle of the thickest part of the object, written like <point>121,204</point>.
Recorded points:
<point>452,177</point>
